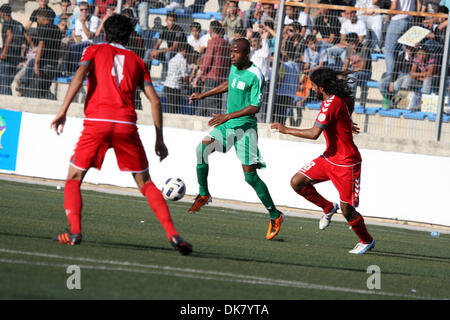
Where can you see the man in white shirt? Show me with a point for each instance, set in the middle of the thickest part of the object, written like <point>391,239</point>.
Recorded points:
<point>86,26</point>
<point>198,41</point>
<point>351,25</point>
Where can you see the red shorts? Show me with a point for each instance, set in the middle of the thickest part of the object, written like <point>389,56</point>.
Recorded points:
<point>98,136</point>
<point>346,179</point>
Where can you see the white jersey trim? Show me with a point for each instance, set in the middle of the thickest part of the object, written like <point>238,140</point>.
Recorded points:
<point>341,165</point>
<point>109,120</point>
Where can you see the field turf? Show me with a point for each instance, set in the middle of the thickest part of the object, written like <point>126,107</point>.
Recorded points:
<point>125,254</point>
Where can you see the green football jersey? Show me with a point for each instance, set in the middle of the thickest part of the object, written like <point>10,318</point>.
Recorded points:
<point>245,88</point>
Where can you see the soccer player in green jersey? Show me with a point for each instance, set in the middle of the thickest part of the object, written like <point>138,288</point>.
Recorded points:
<point>237,127</point>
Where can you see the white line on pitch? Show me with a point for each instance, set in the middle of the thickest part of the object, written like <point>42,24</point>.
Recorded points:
<point>188,273</point>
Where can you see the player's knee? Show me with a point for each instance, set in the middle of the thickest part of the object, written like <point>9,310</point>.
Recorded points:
<point>251,178</point>
<point>202,157</point>
<point>297,184</point>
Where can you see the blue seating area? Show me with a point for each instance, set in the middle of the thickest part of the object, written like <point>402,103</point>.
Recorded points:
<point>182,14</point>
<point>394,113</point>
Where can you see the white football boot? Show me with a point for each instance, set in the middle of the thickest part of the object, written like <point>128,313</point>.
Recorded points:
<point>326,217</point>
<point>362,248</point>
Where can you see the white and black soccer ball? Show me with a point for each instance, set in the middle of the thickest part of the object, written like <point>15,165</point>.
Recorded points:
<point>174,189</point>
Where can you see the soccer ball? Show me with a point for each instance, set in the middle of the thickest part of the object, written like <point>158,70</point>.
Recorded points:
<point>174,189</point>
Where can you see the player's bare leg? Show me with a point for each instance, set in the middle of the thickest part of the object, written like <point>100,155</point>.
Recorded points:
<point>304,187</point>
<point>72,204</point>
<point>356,221</point>
<point>204,149</point>
<point>276,217</point>
<point>161,211</point>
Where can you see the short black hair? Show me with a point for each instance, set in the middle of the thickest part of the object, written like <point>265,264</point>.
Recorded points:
<point>6,9</point>
<point>256,35</point>
<point>217,27</point>
<point>45,13</point>
<point>247,45</point>
<point>240,31</point>
<point>352,38</point>
<point>310,37</point>
<point>196,25</point>
<point>172,14</point>
<point>118,28</point>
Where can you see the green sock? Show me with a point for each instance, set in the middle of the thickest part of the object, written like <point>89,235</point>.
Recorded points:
<point>202,170</point>
<point>260,187</point>
<point>202,178</point>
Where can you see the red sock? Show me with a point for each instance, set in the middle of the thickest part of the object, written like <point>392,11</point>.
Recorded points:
<point>310,193</point>
<point>159,207</point>
<point>73,204</point>
<point>360,229</point>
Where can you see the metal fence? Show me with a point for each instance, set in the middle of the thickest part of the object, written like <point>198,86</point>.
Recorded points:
<point>395,58</point>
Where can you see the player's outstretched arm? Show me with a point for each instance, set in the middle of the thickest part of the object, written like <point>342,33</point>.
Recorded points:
<point>221,117</point>
<point>75,85</point>
<point>152,96</point>
<point>221,88</point>
<point>311,133</point>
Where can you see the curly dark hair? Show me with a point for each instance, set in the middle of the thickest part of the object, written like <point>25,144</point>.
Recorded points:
<point>333,83</point>
<point>118,28</point>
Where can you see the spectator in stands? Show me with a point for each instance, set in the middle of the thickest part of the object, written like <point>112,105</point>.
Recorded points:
<point>10,56</point>
<point>143,13</point>
<point>239,12</point>
<point>305,20</point>
<point>326,27</point>
<point>435,40</point>
<point>216,64</point>
<point>373,21</point>
<point>65,45</point>
<point>423,76</point>
<point>101,6</point>
<point>75,3</point>
<point>178,78</point>
<point>47,56</point>
<point>288,80</point>
<point>232,20</point>
<point>43,4</point>
<point>100,33</point>
<point>269,14</point>
<point>358,63</point>
<point>65,14</point>
<point>314,56</point>
<point>30,33</point>
<point>430,6</point>
<point>398,25</point>
<point>294,35</point>
<point>260,55</point>
<point>173,34</point>
<point>399,79</point>
<point>291,15</point>
<point>86,26</point>
<point>198,41</point>
<point>352,25</point>
<point>240,32</point>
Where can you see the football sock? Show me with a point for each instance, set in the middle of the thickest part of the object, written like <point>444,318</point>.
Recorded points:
<point>202,170</point>
<point>260,187</point>
<point>310,193</point>
<point>159,207</point>
<point>73,204</point>
<point>359,227</point>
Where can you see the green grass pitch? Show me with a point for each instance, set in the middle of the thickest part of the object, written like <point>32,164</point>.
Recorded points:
<point>125,254</point>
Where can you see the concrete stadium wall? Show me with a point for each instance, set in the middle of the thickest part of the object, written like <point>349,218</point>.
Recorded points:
<point>394,185</point>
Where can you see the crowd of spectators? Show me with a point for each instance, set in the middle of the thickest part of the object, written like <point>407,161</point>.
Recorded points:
<point>194,59</point>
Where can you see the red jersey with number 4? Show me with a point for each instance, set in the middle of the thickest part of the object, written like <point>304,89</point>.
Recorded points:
<point>114,75</point>
<point>334,119</point>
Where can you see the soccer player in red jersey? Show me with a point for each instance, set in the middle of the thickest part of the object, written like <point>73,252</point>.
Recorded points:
<point>341,161</point>
<point>114,73</point>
